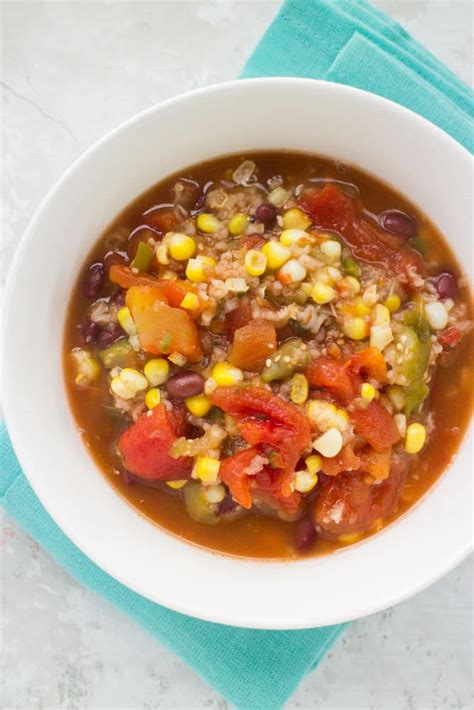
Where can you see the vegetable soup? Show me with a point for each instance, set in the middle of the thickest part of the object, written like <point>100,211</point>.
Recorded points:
<point>270,355</point>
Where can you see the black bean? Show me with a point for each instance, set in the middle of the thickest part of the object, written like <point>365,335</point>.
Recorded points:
<point>185,384</point>
<point>206,339</point>
<point>118,299</point>
<point>266,214</point>
<point>113,258</point>
<point>398,223</point>
<point>109,336</point>
<point>91,331</point>
<point>94,280</point>
<point>446,284</point>
<point>305,535</point>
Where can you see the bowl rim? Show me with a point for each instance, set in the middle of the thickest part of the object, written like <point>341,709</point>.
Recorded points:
<point>246,619</point>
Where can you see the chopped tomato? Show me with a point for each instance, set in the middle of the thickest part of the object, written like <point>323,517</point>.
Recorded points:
<point>266,489</point>
<point>161,328</point>
<point>333,374</point>
<point>331,209</point>
<point>376,426</point>
<point>125,277</point>
<point>252,345</point>
<point>233,473</point>
<point>369,363</point>
<point>239,317</point>
<point>376,463</point>
<point>450,337</point>
<point>254,241</point>
<point>262,487</point>
<point>145,446</point>
<point>346,504</point>
<point>265,419</point>
<point>346,460</point>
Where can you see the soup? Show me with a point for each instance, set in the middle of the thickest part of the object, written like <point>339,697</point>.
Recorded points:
<point>270,355</point>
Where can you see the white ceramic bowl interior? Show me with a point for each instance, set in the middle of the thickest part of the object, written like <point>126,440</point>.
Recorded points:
<point>381,137</point>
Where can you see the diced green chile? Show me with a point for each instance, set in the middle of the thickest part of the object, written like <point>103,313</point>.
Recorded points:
<point>413,353</point>
<point>415,395</point>
<point>199,509</point>
<point>119,354</point>
<point>143,257</point>
<point>351,267</point>
<point>292,356</point>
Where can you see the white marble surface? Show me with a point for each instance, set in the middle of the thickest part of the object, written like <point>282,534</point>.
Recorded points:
<point>70,72</point>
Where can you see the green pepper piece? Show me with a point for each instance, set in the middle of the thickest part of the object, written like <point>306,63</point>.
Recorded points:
<point>351,267</point>
<point>292,356</point>
<point>119,354</point>
<point>197,506</point>
<point>413,353</point>
<point>142,258</point>
<point>415,394</point>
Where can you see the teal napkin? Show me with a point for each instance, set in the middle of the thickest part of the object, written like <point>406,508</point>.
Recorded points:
<point>349,42</point>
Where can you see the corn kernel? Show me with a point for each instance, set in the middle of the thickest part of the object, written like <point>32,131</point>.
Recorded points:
<point>276,254</point>
<point>397,396</point>
<point>156,371</point>
<point>177,358</point>
<point>169,275</point>
<point>355,328</point>
<point>238,224</point>
<point>190,302</point>
<point>225,375</point>
<point>290,237</point>
<point>199,405</point>
<point>291,272</point>
<point>437,315</point>
<point>415,438</point>
<point>200,268</point>
<point>206,469</point>
<point>161,252</point>
<point>313,463</point>
<point>380,315</point>
<point>349,538</point>
<point>214,494</point>
<point>361,308</point>
<point>329,444</point>
<point>393,303</point>
<point>152,398</point>
<point>334,274</point>
<point>176,485</point>
<point>255,262</point>
<point>332,250</point>
<point>87,367</point>
<point>278,196</point>
<point>368,391</point>
<point>380,336</point>
<point>128,383</point>
<point>305,481</point>
<point>125,320</point>
<point>325,415</point>
<point>299,389</point>
<point>180,246</point>
<point>322,293</point>
<point>296,219</point>
<point>208,223</point>
<point>348,286</point>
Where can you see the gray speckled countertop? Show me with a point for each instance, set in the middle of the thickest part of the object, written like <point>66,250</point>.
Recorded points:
<point>71,71</point>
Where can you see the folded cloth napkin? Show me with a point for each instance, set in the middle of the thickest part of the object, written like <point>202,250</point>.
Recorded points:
<point>347,41</point>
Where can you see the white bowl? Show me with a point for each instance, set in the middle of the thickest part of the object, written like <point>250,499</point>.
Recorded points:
<point>381,137</point>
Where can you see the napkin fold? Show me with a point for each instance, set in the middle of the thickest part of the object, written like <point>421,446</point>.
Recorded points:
<point>345,41</point>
